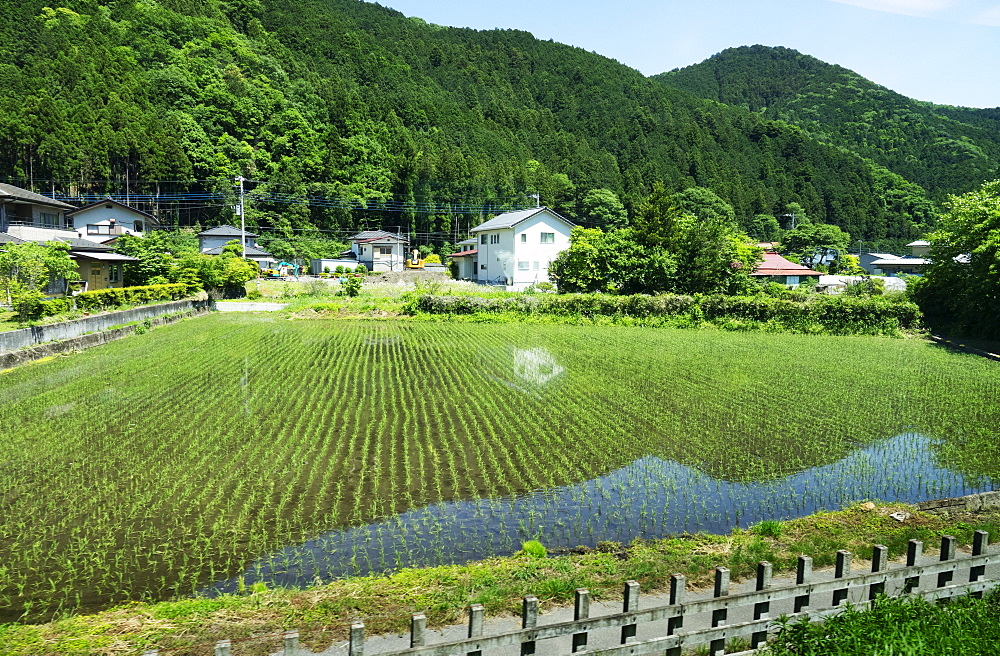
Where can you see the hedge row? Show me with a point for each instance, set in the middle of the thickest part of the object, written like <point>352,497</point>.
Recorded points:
<point>834,314</point>
<point>109,299</point>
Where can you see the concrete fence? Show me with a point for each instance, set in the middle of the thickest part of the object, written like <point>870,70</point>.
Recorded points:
<point>694,620</point>
<point>25,337</point>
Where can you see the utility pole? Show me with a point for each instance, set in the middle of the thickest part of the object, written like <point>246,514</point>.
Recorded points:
<point>242,213</point>
<point>538,199</point>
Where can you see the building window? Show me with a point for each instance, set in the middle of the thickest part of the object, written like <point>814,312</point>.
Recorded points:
<point>137,226</point>
<point>48,219</point>
<point>115,273</point>
<point>482,267</point>
<point>522,266</point>
<point>98,229</point>
<point>524,238</point>
<point>534,265</point>
<point>385,250</point>
<point>495,239</point>
<point>482,239</point>
<point>548,237</point>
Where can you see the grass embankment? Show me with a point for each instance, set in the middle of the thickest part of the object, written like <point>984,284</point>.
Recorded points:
<point>322,613</point>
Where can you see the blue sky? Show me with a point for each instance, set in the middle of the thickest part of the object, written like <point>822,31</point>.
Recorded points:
<point>943,51</point>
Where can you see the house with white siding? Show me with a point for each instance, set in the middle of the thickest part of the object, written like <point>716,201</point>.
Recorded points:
<point>515,249</point>
<point>379,250</point>
<point>106,219</point>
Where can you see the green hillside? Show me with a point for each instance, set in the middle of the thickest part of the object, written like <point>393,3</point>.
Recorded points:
<point>350,102</point>
<point>944,149</point>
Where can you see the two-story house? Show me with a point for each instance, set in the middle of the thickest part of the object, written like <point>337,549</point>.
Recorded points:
<point>106,219</point>
<point>515,249</point>
<point>33,217</point>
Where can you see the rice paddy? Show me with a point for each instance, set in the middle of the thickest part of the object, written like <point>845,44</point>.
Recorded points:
<point>235,448</point>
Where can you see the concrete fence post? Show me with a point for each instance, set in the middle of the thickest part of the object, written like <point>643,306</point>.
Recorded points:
<point>630,604</point>
<point>678,595</point>
<point>880,561</point>
<point>914,552</point>
<point>529,620</point>
<point>948,545</point>
<point>842,569</point>
<point>356,646</point>
<point>476,613</point>
<point>290,643</point>
<point>762,609</point>
<point>720,615</point>
<point>223,648</point>
<point>980,541</point>
<point>581,611</point>
<point>418,628</point>
<point>803,576</point>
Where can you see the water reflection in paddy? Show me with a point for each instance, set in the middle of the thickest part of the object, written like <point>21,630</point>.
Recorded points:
<point>651,497</point>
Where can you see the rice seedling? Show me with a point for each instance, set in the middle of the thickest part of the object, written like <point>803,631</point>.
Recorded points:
<point>235,450</point>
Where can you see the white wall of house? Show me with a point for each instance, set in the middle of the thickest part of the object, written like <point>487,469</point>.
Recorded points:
<point>102,215</point>
<point>389,255</point>
<point>520,256</point>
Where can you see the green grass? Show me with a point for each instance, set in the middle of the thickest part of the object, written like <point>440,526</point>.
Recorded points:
<point>903,626</point>
<point>152,466</point>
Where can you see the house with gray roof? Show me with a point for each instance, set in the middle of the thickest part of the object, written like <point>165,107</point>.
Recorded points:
<point>211,242</point>
<point>107,219</point>
<point>33,217</point>
<point>379,250</point>
<point>515,249</point>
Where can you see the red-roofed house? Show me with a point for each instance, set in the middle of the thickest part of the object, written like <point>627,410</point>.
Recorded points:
<point>466,259</point>
<point>775,268</point>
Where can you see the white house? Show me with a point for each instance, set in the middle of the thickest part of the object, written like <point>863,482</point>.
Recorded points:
<point>106,219</point>
<point>515,249</point>
<point>379,250</point>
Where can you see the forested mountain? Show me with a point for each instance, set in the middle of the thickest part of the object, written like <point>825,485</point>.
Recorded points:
<point>351,103</point>
<point>944,149</point>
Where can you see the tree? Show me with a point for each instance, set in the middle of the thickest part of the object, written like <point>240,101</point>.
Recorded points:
<point>813,243</point>
<point>601,208</point>
<point>27,269</point>
<point>961,290</point>
<point>613,262</point>
<point>154,257</point>
<point>700,232</point>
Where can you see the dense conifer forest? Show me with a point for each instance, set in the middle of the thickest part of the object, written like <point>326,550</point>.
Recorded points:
<point>379,119</point>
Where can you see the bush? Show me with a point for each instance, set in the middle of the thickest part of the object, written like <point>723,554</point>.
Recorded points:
<point>352,286</point>
<point>362,269</point>
<point>534,548</point>
<point>107,299</point>
<point>433,258</point>
<point>817,313</point>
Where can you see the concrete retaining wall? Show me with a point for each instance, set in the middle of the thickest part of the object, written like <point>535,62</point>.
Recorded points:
<point>20,339</point>
<point>15,358</point>
<point>970,503</point>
